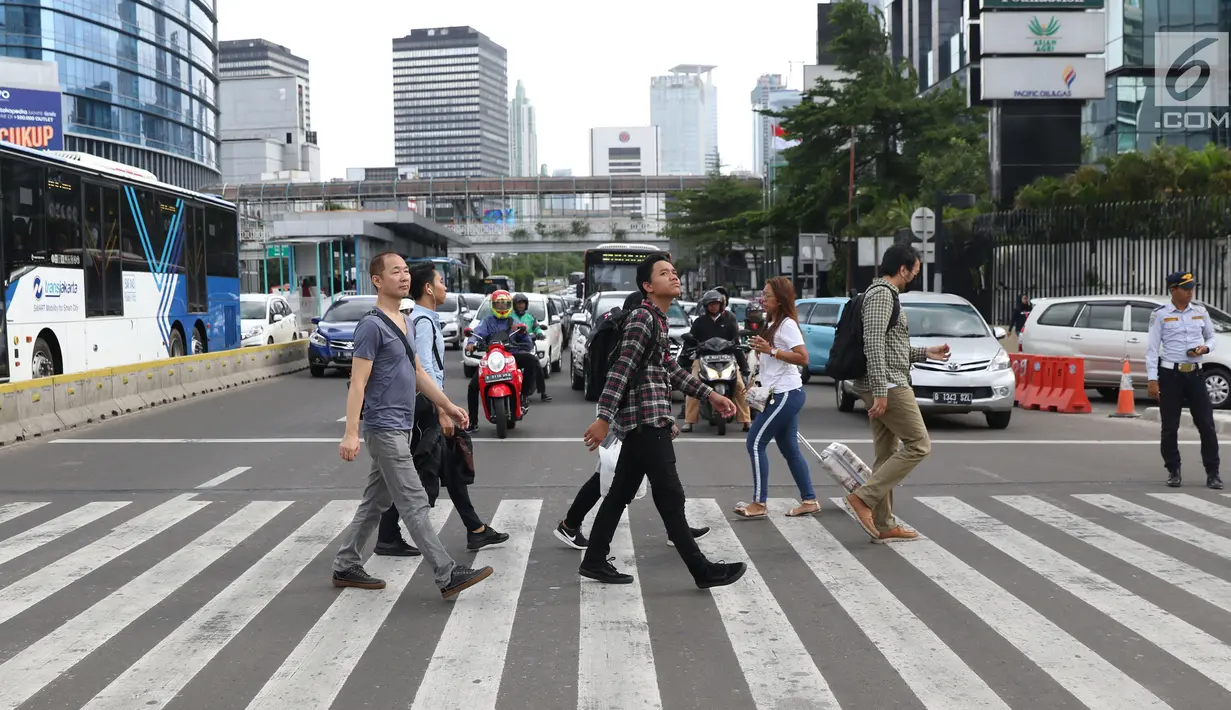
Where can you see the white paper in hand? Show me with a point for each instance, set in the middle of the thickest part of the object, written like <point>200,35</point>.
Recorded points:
<point>608,457</point>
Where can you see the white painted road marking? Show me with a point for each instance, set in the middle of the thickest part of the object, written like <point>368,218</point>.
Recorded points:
<point>224,477</point>
<point>40,535</point>
<point>9,511</point>
<point>468,663</point>
<point>1165,524</point>
<point>682,441</point>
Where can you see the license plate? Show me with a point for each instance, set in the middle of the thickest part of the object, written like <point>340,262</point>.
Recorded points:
<point>342,357</point>
<point>952,397</point>
<point>499,377</point>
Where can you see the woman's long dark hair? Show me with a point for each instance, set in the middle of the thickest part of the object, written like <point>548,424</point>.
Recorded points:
<point>784,294</point>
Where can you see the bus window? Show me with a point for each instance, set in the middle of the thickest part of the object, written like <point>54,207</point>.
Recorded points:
<point>194,259</point>
<point>165,220</point>
<point>136,219</point>
<point>104,289</point>
<point>24,185</point>
<point>63,199</point>
<point>221,248</point>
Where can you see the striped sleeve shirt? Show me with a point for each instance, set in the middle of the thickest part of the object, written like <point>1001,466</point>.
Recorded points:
<point>887,348</point>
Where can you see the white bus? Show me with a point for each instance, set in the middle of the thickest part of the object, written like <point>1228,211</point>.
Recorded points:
<point>102,265</point>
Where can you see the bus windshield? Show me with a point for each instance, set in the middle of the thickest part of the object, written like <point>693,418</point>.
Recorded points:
<point>614,267</point>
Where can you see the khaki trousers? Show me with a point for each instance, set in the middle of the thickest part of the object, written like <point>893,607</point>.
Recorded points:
<point>903,422</point>
<point>692,407</point>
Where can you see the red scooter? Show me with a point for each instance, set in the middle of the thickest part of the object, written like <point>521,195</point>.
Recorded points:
<point>500,387</point>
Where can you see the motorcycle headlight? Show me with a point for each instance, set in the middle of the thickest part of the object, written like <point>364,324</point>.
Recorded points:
<point>495,362</point>
<point>1000,362</point>
<point>316,338</point>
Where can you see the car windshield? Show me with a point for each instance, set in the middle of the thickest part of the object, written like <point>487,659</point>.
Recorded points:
<point>536,309</point>
<point>450,303</point>
<point>739,310</point>
<point>349,311</point>
<point>1220,319</point>
<point>252,310</point>
<point>675,315</point>
<point>945,320</point>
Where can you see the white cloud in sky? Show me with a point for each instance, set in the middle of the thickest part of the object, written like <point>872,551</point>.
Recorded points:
<point>583,65</point>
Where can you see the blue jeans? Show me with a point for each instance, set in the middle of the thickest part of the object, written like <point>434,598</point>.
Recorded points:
<point>779,421</point>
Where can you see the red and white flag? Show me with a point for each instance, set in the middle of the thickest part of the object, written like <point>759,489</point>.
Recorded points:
<point>781,140</point>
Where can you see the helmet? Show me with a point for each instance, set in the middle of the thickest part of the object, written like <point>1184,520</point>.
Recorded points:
<point>502,303</point>
<point>711,296</point>
<point>407,306</point>
<point>521,298</point>
<point>726,297</point>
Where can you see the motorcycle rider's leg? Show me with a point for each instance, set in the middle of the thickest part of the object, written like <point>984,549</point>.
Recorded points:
<point>692,407</point>
<point>472,402</point>
<point>743,414</point>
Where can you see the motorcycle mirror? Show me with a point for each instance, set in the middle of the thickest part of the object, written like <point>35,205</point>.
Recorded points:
<point>468,332</point>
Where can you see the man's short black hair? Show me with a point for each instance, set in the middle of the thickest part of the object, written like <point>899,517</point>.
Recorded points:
<point>897,257</point>
<point>645,270</point>
<point>422,276</point>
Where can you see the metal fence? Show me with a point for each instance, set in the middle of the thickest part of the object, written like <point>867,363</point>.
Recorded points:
<point>1113,248</point>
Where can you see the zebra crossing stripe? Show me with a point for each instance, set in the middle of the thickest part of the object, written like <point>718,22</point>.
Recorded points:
<point>938,677</point>
<point>1207,508</point>
<point>778,668</point>
<point>615,660</point>
<point>1098,684</point>
<point>40,535</point>
<point>41,663</point>
<point>1165,524</point>
<point>1199,583</point>
<point>311,677</point>
<point>155,679</point>
<point>9,511</point>
<point>482,618</point>
<point>1204,653</point>
<point>37,586</point>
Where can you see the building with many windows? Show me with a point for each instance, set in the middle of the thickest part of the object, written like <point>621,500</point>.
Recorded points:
<point>250,58</point>
<point>450,103</point>
<point>633,151</point>
<point>684,105</point>
<point>138,79</point>
<point>523,135</point>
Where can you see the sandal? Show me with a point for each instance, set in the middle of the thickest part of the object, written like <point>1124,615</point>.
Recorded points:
<point>808,507</point>
<point>741,509</point>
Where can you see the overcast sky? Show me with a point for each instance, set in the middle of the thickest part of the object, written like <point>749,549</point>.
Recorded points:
<point>583,65</point>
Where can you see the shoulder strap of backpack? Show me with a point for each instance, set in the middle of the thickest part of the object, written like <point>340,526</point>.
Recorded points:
<point>435,352</point>
<point>410,352</point>
<point>897,305</point>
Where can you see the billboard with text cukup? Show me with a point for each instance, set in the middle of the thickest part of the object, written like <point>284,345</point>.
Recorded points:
<point>31,118</point>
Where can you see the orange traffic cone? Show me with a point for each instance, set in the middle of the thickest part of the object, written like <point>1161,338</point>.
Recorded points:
<point>1126,407</point>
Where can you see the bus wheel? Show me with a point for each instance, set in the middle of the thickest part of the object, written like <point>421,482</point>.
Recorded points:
<point>176,346</point>
<point>42,360</point>
<point>198,340</point>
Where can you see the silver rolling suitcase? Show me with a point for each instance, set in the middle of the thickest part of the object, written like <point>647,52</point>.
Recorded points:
<point>842,465</point>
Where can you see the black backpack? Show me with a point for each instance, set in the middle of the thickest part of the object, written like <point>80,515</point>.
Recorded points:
<point>847,359</point>
<point>603,347</point>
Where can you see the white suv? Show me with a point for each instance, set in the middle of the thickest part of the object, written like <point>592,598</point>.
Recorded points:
<point>1103,330</point>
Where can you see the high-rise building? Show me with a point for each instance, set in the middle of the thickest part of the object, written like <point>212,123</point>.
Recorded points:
<point>627,151</point>
<point>450,103</point>
<point>145,96</point>
<point>264,131</point>
<point>523,138</point>
<point>248,58</point>
<point>684,105</point>
<point>762,125</point>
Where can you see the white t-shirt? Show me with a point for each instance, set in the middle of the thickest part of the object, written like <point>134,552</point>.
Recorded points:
<point>782,376</point>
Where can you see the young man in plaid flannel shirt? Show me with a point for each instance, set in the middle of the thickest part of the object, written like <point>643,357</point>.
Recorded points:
<point>637,400</point>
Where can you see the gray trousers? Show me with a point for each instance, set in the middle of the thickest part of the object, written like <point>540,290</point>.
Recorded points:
<point>393,480</point>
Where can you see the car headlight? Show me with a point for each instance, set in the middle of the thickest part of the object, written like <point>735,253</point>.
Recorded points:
<point>252,332</point>
<point>1000,362</point>
<point>317,339</point>
<point>495,362</point>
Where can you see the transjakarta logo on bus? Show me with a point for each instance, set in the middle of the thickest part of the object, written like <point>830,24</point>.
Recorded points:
<point>52,289</point>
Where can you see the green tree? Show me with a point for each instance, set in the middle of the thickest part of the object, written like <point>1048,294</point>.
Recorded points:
<point>710,220</point>
<point>521,234</point>
<point>579,228</point>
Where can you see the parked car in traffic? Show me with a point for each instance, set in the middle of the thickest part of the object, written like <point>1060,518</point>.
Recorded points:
<point>977,377</point>
<point>453,319</point>
<point>332,344</point>
<point>818,319</point>
<point>1104,330</point>
<point>266,319</point>
<point>550,350</point>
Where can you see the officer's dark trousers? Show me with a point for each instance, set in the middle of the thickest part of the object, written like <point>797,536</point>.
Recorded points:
<point>1177,390</point>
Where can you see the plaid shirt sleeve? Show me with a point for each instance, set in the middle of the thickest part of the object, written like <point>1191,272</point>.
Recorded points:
<point>918,354</point>
<point>634,342</point>
<point>684,381</point>
<point>877,309</point>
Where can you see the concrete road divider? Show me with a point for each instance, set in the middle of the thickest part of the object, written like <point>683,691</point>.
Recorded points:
<point>52,404</point>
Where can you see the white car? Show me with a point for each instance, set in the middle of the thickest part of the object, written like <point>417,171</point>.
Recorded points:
<point>550,350</point>
<point>266,320</point>
<point>977,377</point>
<point>1103,330</point>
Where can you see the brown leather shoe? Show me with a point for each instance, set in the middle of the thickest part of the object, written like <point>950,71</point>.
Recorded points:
<point>863,514</point>
<point>899,534</point>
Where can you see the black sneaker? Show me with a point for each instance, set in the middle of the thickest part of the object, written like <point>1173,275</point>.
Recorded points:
<point>356,577</point>
<point>464,578</point>
<point>721,574</point>
<point>477,541</point>
<point>572,538</point>
<point>401,548</point>
<point>604,572</point>
<point>474,427</point>
<point>1173,479</point>
<point>545,397</point>
<point>697,534</point>
<point>1213,482</point>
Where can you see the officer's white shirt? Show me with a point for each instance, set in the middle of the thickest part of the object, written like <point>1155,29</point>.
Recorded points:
<point>1173,332</point>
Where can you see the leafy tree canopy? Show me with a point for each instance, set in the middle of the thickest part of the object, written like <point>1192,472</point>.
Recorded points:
<point>711,220</point>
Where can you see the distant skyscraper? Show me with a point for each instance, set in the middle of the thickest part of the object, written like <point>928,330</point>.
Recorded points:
<point>762,126</point>
<point>684,105</point>
<point>619,152</point>
<point>251,58</point>
<point>450,103</point>
<point>523,138</point>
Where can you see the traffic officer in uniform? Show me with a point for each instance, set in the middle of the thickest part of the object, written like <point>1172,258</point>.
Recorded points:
<point>1180,334</point>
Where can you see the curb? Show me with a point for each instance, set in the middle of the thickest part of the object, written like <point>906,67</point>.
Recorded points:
<point>1222,422</point>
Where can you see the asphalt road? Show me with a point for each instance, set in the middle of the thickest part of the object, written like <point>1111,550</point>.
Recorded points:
<point>180,558</point>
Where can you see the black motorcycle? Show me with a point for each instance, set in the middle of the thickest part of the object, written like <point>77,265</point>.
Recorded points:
<point>719,369</point>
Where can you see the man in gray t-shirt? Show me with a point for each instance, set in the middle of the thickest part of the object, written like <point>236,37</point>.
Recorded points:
<point>384,378</point>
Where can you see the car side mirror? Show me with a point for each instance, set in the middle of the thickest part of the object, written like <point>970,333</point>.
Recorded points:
<point>1000,333</point>
<point>316,321</point>
<point>579,318</point>
<point>278,317</point>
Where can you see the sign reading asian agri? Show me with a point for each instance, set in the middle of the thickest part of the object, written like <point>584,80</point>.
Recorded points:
<point>31,118</point>
<point>1044,33</point>
<point>1044,78</point>
<point>1042,4</point>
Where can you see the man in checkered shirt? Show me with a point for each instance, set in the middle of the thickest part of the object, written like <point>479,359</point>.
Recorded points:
<point>887,393</point>
<point>637,400</point>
